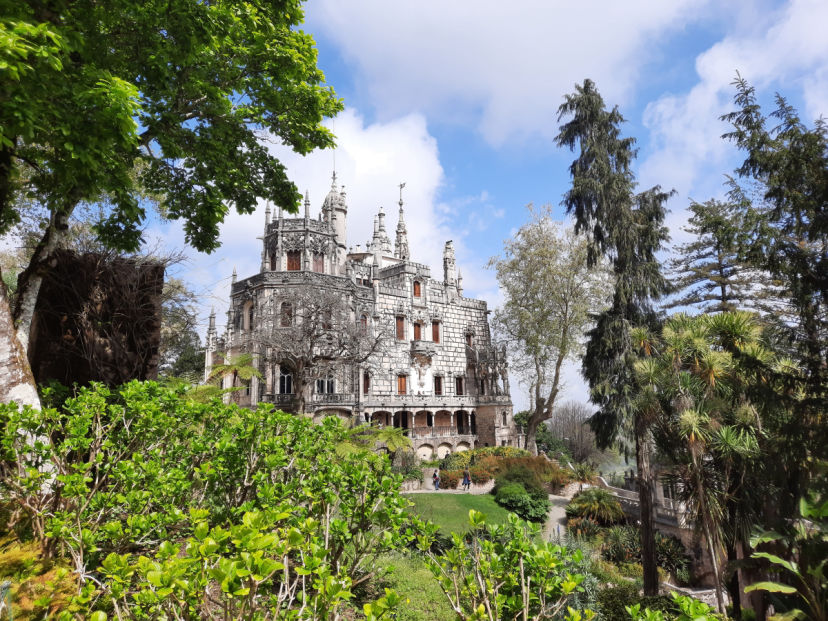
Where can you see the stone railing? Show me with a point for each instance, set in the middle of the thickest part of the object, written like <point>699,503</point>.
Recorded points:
<point>440,431</point>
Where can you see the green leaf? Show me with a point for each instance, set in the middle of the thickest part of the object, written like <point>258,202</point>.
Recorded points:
<point>771,587</point>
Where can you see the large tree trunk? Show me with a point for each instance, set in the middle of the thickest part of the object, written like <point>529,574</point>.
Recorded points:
<point>16,381</point>
<point>643,452</point>
<point>30,279</point>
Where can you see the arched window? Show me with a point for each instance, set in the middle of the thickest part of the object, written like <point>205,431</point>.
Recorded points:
<point>294,260</point>
<point>417,289</point>
<point>363,323</point>
<point>273,261</point>
<point>326,385</point>
<point>285,382</point>
<point>503,419</point>
<point>286,315</point>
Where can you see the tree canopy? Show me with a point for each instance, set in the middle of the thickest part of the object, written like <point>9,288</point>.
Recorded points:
<point>190,91</point>
<point>550,292</point>
<point>627,228</point>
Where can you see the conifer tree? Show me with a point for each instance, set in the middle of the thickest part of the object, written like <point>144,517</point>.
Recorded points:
<point>710,274</point>
<point>628,229</point>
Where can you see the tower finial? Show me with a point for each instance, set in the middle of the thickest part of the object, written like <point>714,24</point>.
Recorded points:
<point>267,213</point>
<point>233,279</point>
<point>402,185</point>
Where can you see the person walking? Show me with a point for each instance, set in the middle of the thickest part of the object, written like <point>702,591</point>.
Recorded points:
<point>436,479</point>
<point>466,479</point>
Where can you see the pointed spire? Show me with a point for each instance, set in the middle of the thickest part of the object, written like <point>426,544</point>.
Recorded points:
<point>211,327</point>
<point>459,282</point>
<point>267,214</point>
<point>401,242</point>
<point>233,278</point>
<point>307,205</point>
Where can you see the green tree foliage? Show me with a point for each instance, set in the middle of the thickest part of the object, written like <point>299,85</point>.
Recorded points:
<point>501,572</point>
<point>597,505</point>
<point>550,291</point>
<point>627,228</point>
<point>180,349</point>
<point>789,161</point>
<point>188,90</point>
<point>172,508</point>
<point>802,592</point>
<point>709,272</point>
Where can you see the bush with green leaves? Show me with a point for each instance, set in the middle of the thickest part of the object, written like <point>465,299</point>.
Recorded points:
<point>463,459</point>
<point>612,602</point>
<point>170,508</point>
<point>596,504</point>
<point>683,608</point>
<point>502,572</point>
<point>622,544</point>
<point>514,497</point>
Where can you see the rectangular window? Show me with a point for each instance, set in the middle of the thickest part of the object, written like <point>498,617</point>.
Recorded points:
<point>435,331</point>
<point>418,331</point>
<point>458,386</point>
<point>402,388</point>
<point>294,261</point>
<point>366,383</point>
<point>438,386</point>
<point>318,262</point>
<point>417,289</point>
<point>400,329</point>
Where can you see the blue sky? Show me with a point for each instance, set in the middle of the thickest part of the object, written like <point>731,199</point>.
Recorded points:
<point>458,100</point>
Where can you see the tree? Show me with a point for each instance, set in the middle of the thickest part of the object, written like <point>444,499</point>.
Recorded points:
<point>549,293</point>
<point>181,352</point>
<point>789,239</point>
<point>570,422</point>
<point>186,90</point>
<point>317,336</point>
<point>628,229</point>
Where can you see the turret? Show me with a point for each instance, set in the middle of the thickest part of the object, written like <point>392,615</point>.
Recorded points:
<point>449,265</point>
<point>210,345</point>
<point>401,242</point>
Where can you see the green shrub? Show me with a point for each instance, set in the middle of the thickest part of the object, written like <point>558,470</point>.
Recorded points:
<point>556,479</point>
<point>523,474</point>
<point>161,499</point>
<point>515,498</point>
<point>612,602</point>
<point>479,573</point>
<point>622,544</point>
<point>596,504</point>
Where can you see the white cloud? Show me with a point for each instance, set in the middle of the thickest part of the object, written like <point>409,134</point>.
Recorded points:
<point>502,66</point>
<point>785,50</point>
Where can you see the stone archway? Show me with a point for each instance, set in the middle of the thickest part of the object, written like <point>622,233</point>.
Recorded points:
<point>425,452</point>
<point>381,418</point>
<point>443,450</point>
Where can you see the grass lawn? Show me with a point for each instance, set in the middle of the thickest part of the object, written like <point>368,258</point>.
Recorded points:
<point>451,511</point>
<point>422,599</point>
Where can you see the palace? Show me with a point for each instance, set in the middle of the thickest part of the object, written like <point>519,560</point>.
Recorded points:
<point>431,367</point>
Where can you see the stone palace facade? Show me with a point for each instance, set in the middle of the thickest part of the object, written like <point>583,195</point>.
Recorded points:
<point>437,374</point>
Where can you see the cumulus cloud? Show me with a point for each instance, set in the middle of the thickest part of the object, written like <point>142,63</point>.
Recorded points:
<point>504,66</point>
<point>785,50</point>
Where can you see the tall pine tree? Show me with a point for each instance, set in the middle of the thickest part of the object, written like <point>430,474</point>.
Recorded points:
<point>627,228</point>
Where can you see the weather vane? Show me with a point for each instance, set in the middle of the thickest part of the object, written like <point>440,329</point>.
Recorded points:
<point>402,185</point>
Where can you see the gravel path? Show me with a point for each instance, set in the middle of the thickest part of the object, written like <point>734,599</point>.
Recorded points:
<point>556,522</point>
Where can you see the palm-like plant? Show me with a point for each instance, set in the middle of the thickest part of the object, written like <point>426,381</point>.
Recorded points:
<point>597,505</point>
<point>238,368</point>
<point>694,377</point>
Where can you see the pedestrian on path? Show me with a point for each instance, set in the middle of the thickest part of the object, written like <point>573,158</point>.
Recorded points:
<point>466,479</point>
<point>436,479</point>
